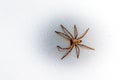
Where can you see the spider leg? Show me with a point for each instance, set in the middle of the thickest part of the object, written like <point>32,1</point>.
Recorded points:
<point>75,32</point>
<point>86,46</point>
<point>66,31</point>
<point>63,48</point>
<point>83,34</point>
<point>63,35</point>
<point>68,52</point>
<point>77,50</point>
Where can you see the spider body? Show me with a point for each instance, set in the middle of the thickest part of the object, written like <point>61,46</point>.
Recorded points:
<point>75,41</point>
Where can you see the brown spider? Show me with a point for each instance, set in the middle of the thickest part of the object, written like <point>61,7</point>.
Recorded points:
<point>74,40</point>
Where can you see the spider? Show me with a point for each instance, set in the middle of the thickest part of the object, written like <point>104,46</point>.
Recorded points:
<point>75,41</point>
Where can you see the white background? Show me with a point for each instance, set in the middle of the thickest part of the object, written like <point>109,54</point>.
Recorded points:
<point>28,41</point>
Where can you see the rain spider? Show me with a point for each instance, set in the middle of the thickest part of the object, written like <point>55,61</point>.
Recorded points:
<point>75,41</point>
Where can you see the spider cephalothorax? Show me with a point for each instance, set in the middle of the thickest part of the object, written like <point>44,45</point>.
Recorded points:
<point>75,41</point>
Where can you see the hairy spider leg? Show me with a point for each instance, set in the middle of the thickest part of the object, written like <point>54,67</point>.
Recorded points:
<point>77,50</point>
<point>83,34</point>
<point>66,31</point>
<point>63,35</point>
<point>86,46</point>
<point>75,32</point>
<point>68,52</point>
<point>63,48</point>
